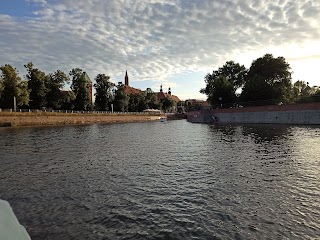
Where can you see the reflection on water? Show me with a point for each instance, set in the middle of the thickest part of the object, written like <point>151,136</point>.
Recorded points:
<point>163,181</point>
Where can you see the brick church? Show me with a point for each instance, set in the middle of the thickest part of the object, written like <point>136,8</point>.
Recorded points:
<point>130,90</point>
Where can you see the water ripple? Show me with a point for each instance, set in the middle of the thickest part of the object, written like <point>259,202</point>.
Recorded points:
<point>163,181</point>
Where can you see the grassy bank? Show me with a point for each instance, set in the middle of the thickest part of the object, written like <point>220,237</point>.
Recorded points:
<point>11,119</point>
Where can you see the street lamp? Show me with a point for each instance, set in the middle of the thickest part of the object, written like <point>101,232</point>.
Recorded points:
<point>220,100</point>
<point>14,104</point>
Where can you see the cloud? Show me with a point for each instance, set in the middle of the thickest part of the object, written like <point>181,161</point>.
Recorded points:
<point>40,2</point>
<point>154,39</point>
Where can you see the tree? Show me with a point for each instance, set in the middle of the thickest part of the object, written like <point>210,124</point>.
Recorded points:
<point>137,102</point>
<point>302,92</point>
<point>79,86</point>
<point>12,86</point>
<point>167,103</point>
<point>274,74</point>
<point>121,99</point>
<point>151,100</point>
<point>37,86</point>
<point>234,73</point>
<point>55,82</point>
<point>67,100</point>
<point>104,92</point>
<point>1,86</point>
<point>258,91</point>
<point>224,82</point>
<point>219,90</point>
<point>22,94</point>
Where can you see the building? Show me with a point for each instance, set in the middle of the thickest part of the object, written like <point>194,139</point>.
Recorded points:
<point>160,95</point>
<point>88,83</point>
<point>192,104</point>
<point>130,90</point>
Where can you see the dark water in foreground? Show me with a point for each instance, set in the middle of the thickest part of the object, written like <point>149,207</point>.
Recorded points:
<point>163,181</point>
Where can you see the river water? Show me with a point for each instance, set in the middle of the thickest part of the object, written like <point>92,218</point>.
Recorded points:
<point>174,180</point>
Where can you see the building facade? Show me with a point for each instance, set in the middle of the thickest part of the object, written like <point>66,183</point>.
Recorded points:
<point>160,95</point>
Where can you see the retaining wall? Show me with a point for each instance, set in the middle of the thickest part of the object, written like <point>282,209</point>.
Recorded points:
<point>284,114</point>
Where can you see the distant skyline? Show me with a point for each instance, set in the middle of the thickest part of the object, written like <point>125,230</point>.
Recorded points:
<point>170,42</point>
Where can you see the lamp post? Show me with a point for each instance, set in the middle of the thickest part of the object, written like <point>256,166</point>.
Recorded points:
<point>220,100</point>
<point>14,104</point>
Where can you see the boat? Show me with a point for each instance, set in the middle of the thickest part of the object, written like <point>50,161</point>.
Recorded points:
<point>163,119</point>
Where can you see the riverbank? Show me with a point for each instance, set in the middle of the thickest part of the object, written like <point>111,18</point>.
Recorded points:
<point>11,119</point>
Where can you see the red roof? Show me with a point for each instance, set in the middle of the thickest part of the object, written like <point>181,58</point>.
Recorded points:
<point>175,98</point>
<point>161,95</point>
<point>130,90</point>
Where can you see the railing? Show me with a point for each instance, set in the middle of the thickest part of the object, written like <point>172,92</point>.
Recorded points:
<point>76,112</point>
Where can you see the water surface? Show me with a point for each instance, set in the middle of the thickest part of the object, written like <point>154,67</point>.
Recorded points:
<point>172,180</point>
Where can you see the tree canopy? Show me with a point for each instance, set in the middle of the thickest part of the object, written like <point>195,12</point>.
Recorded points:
<point>267,81</point>
<point>104,92</point>
<point>37,86</point>
<point>54,84</point>
<point>121,99</point>
<point>167,103</point>
<point>79,85</point>
<point>302,92</point>
<point>136,102</point>
<point>275,77</point>
<point>12,86</point>
<point>224,82</point>
<point>151,100</point>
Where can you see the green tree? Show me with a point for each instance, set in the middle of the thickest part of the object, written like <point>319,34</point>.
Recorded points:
<point>1,86</point>
<point>224,82</point>
<point>79,85</point>
<point>272,73</point>
<point>67,100</point>
<point>167,103</point>
<point>136,102</point>
<point>37,86</point>
<point>256,91</point>
<point>121,99</point>
<point>234,73</point>
<point>151,100</point>
<point>12,86</point>
<point>219,90</point>
<point>302,92</point>
<point>55,83</point>
<point>104,92</point>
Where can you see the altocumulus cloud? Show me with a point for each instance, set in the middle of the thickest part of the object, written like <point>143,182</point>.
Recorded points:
<point>155,39</point>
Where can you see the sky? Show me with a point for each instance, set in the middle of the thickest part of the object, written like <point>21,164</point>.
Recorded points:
<point>170,42</point>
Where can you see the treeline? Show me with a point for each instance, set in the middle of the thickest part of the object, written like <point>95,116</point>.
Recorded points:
<point>267,81</point>
<point>39,90</point>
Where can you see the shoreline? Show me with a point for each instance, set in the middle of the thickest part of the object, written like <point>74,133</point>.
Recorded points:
<point>17,119</point>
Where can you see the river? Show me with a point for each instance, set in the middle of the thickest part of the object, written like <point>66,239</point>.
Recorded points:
<point>174,180</point>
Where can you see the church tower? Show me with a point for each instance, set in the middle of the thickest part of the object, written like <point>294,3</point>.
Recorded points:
<point>169,92</point>
<point>161,88</point>
<point>126,79</point>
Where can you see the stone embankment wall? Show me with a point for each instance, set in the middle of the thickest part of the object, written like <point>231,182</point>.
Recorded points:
<point>33,119</point>
<point>283,114</point>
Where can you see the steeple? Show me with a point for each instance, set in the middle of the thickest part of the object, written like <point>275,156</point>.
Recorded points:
<point>126,79</point>
<point>169,92</point>
<point>161,88</point>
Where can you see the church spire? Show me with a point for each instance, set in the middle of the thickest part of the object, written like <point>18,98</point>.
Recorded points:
<point>169,91</point>
<point>161,88</point>
<point>126,79</point>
